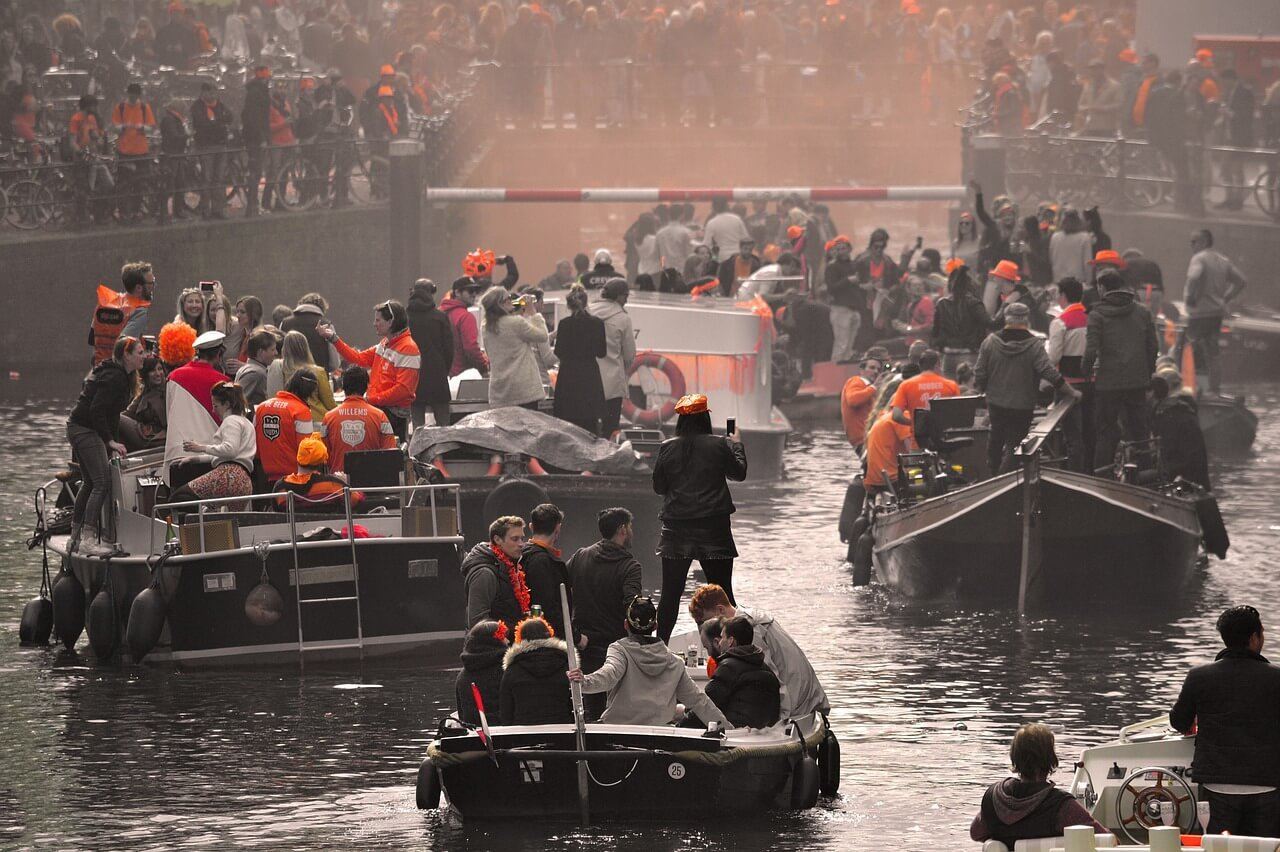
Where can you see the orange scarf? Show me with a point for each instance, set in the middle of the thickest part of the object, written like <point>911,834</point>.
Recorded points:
<point>392,115</point>
<point>1140,102</point>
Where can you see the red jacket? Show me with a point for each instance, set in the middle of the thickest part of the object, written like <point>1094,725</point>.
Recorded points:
<point>393,369</point>
<point>466,338</point>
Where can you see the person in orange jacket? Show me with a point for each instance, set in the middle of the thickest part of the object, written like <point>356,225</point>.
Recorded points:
<point>281,423</point>
<point>132,117</point>
<point>393,364</point>
<point>886,439</point>
<point>355,424</point>
<point>859,394</point>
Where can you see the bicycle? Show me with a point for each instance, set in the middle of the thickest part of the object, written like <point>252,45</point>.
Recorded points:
<point>1266,192</point>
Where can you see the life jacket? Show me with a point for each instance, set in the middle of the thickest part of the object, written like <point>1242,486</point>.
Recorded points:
<point>109,319</point>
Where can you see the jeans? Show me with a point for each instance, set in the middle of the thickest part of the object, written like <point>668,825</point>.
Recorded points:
<point>1254,815</point>
<point>675,573</point>
<point>1077,430</point>
<point>1202,335</point>
<point>90,452</point>
<point>213,196</point>
<point>1110,408</point>
<point>1008,427</point>
<point>844,328</point>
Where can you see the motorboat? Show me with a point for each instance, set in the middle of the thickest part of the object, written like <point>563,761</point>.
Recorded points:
<point>634,771</point>
<point>261,579</point>
<point>1229,427</point>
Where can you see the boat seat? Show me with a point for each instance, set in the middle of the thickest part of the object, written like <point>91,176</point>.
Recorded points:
<point>931,431</point>
<point>1045,844</point>
<point>1238,843</point>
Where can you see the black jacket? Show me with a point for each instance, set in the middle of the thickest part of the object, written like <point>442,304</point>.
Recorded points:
<point>307,324</point>
<point>1182,451</point>
<point>544,572</point>
<point>1039,321</point>
<point>993,243</point>
<point>210,132</point>
<point>1039,266</point>
<point>727,272</point>
<point>1166,120</point>
<point>959,323</point>
<point>580,340</point>
<point>173,133</point>
<point>534,688</point>
<point>1239,118</point>
<point>691,474</point>
<point>105,393</point>
<point>255,115</point>
<point>844,292</point>
<point>482,665</point>
<point>433,334</point>
<point>605,579</point>
<point>490,594</point>
<point>598,275</point>
<point>1235,702</point>
<point>744,689</point>
<point>1142,272</point>
<point>1121,342</point>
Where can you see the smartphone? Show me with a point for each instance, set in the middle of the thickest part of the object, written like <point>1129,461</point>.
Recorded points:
<point>207,286</point>
<point>730,426</point>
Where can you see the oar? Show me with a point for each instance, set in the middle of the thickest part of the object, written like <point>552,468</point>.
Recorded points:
<point>575,698</point>
<point>485,736</point>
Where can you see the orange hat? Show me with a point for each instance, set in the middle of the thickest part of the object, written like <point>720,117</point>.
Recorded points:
<point>1008,270</point>
<point>1205,57</point>
<point>1128,55</point>
<point>387,71</point>
<point>1108,258</point>
<point>692,403</point>
<point>795,232</point>
<point>175,6</point>
<point>478,263</point>
<point>306,84</point>
<point>953,264</point>
<point>312,452</point>
<point>177,343</point>
<point>262,72</point>
<point>386,92</point>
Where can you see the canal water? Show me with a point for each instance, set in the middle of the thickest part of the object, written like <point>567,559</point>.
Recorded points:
<point>925,699</point>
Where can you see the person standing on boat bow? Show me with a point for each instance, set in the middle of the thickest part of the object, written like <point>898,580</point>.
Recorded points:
<point>1232,705</point>
<point>492,577</point>
<point>691,473</point>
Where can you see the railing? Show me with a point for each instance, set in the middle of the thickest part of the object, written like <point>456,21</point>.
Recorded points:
<point>1119,173</point>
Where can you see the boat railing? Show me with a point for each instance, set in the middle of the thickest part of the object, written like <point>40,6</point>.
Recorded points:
<point>292,501</point>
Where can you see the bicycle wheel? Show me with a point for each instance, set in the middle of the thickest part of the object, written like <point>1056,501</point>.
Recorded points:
<point>1148,176</point>
<point>1266,191</point>
<point>361,186</point>
<point>236,184</point>
<point>30,205</point>
<point>1097,185</point>
<point>297,183</point>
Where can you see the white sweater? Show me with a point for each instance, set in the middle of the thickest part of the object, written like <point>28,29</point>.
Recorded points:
<point>234,441</point>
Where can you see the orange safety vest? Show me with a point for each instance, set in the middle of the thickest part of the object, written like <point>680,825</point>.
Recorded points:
<point>133,141</point>
<point>109,319</point>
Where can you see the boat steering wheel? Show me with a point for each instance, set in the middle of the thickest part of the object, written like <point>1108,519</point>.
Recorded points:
<point>1144,809</point>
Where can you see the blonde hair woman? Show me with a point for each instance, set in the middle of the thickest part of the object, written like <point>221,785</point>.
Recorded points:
<point>295,354</point>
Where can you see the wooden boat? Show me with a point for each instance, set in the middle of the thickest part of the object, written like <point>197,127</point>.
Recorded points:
<point>1229,427</point>
<point>636,771</point>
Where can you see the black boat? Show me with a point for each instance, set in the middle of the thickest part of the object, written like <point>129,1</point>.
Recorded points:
<point>269,584</point>
<point>1041,534</point>
<point>635,771</point>
<point>1229,427</point>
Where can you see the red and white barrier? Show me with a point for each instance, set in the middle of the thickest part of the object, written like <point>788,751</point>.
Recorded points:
<point>655,195</point>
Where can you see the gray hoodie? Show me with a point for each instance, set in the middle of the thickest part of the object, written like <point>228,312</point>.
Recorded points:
<point>1011,364</point>
<point>644,681</point>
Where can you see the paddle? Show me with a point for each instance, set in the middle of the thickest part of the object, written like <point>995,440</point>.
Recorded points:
<point>575,698</point>
<point>484,724</point>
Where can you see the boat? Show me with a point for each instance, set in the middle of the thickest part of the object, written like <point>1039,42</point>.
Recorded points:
<point>1250,344</point>
<point>1038,534</point>
<point>1229,427</point>
<point>268,584</point>
<point>635,771</point>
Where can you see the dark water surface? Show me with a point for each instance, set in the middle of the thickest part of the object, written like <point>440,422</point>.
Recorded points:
<point>138,757</point>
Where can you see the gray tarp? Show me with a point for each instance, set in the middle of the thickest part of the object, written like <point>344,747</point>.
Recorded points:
<point>532,433</point>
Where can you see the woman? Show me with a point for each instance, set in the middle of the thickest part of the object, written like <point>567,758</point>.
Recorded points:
<point>580,340</point>
<point>246,320</point>
<point>142,47</point>
<point>960,322</point>
<point>199,311</point>
<point>231,452</point>
<point>966,245</point>
<point>510,332</point>
<point>1030,805</point>
<point>700,264</point>
<point>534,689</point>
<point>433,334</point>
<point>393,364</point>
<point>691,474</point>
<point>482,654</point>
<point>143,423</point>
<point>93,430</point>
<point>295,354</point>
<point>1071,248</point>
<point>650,261</point>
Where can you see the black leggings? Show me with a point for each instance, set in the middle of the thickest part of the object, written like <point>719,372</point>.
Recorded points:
<point>675,573</point>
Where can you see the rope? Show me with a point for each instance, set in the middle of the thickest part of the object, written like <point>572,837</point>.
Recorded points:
<point>600,783</point>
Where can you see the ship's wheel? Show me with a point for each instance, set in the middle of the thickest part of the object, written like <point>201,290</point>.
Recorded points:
<point>1138,808</point>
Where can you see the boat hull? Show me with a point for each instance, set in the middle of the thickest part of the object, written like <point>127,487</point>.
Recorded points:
<point>1097,539</point>
<point>1229,427</point>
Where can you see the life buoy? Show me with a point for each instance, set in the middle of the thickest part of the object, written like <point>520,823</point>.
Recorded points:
<point>655,416</point>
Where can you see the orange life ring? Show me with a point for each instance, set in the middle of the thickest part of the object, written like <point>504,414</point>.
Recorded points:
<point>655,416</point>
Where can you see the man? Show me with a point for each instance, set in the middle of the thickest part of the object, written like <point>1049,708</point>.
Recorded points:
<point>620,345</point>
<point>319,490</point>
<point>543,568</point>
<point>211,127</point>
<point>1174,420</point>
<point>886,440</point>
<point>675,244</point>
<point>848,301</point>
<point>1145,279</point>
<point>132,117</point>
<point>1120,353</point>
<point>560,279</point>
<point>1213,282</point>
<point>859,394</point>
<point>1011,365</point>
<point>176,171</point>
<point>802,692</point>
<point>605,579</point>
<point>282,422</point>
<point>1237,116</point>
<point>176,42</point>
<point>738,268</point>
<point>123,313</point>
<point>1067,339</point>
<point>355,424</point>
<point>371,118</point>
<point>743,687</point>
<point>189,410</point>
<point>917,391</point>
<point>1150,80</point>
<point>393,363</point>
<point>492,577</point>
<point>255,123</point>
<point>1100,103</point>
<point>307,317</point>
<point>1008,284</point>
<point>1232,704</point>
<point>643,679</point>
<point>1168,130</point>
<point>263,348</point>
<point>880,279</point>
<point>467,353</point>
<point>724,230</point>
<point>601,272</point>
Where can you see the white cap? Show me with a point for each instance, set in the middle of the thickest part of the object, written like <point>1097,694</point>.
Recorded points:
<point>603,256</point>
<point>210,340</point>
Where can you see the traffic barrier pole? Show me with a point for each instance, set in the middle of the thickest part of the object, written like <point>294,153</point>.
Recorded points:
<point>653,195</point>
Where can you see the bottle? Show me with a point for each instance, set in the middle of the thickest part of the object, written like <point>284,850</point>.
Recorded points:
<point>691,657</point>
<point>536,611</point>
